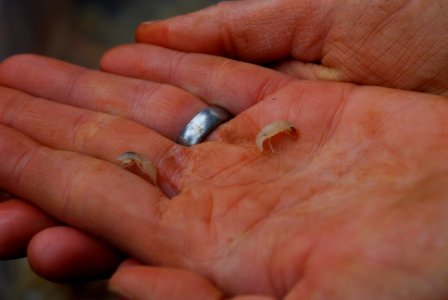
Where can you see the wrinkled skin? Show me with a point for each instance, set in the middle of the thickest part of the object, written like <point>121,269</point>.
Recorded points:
<point>136,281</point>
<point>397,43</point>
<point>391,43</point>
<point>354,209</point>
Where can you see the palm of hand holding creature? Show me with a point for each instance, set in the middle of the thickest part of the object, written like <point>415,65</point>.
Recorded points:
<point>352,209</point>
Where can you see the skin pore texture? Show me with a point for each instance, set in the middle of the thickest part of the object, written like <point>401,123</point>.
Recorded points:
<point>354,208</point>
<point>355,197</point>
<point>398,43</point>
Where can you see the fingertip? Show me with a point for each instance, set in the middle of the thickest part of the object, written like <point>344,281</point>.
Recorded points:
<point>108,57</point>
<point>20,63</point>
<point>118,58</point>
<point>19,222</point>
<point>36,75</point>
<point>64,254</point>
<point>131,262</point>
<point>151,32</point>
<point>14,65</point>
<point>18,58</point>
<point>196,32</point>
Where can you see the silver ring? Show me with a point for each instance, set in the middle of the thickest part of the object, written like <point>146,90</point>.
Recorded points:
<point>202,125</point>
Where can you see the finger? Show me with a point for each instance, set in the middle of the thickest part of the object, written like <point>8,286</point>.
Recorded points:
<point>130,262</point>
<point>256,31</point>
<point>73,256</point>
<point>19,222</point>
<point>236,86</point>
<point>252,298</point>
<point>144,283</point>
<point>85,192</point>
<point>64,254</point>
<point>220,81</point>
<point>163,108</point>
<point>80,130</point>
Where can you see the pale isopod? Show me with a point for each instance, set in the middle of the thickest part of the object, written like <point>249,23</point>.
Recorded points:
<point>272,130</point>
<point>129,159</point>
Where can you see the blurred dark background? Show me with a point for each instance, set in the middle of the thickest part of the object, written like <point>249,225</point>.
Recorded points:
<point>78,31</point>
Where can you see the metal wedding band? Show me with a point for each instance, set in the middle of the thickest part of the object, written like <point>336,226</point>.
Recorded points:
<point>202,125</point>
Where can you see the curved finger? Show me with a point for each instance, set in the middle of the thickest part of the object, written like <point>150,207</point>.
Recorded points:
<point>19,222</point>
<point>96,134</point>
<point>236,86</point>
<point>64,254</point>
<point>85,192</point>
<point>161,107</point>
<point>219,81</point>
<point>256,31</point>
<point>144,283</point>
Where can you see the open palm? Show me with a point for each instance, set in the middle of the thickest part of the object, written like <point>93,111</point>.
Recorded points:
<point>355,208</point>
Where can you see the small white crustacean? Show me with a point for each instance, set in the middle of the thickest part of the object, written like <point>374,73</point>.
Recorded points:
<point>129,159</point>
<point>272,130</point>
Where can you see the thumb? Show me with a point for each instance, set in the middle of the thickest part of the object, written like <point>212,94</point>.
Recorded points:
<point>251,30</point>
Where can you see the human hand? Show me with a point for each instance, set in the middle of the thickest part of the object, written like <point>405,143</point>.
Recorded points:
<point>401,44</point>
<point>353,208</point>
<point>16,230</point>
<point>345,54</point>
<point>24,229</point>
<point>58,253</point>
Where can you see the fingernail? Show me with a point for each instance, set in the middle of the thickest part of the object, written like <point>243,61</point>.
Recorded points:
<point>149,22</point>
<point>130,262</point>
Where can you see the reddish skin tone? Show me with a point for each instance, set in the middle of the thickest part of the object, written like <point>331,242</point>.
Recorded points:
<point>398,43</point>
<point>59,76</point>
<point>138,282</point>
<point>57,253</point>
<point>354,209</point>
<point>16,228</point>
<point>383,49</point>
<point>85,257</point>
